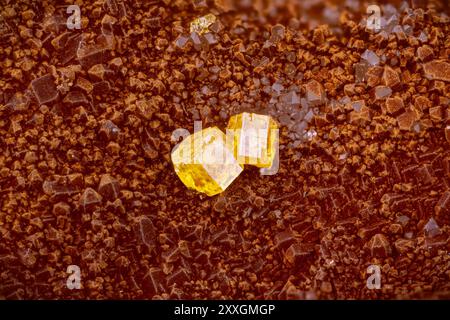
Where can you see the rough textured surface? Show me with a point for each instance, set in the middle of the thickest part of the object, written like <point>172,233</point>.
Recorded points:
<point>86,177</point>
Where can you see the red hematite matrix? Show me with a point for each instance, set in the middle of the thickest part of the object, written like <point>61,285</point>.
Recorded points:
<point>90,204</point>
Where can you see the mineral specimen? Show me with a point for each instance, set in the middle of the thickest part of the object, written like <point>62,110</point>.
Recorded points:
<point>255,138</point>
<point>201,25</point>
<point>44,88</point>
<point>437,70</point>
<point>204,161</point>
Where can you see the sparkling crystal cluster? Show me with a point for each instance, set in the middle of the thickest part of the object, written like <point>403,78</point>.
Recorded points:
<point>209,161</point>
<point>201,25</point>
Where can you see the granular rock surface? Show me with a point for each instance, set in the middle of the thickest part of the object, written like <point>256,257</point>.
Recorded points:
<point>86,122</point>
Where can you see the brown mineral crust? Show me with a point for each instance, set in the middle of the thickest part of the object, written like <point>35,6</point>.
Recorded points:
<point>44,89</point>
<point>86,118</point>
<point>298,251</point>
<point>361,72</point>
<point>61,208</point>
<point>436,113</point>
<point>90,55</point>
<point>108,131</point>
<point>379,246</point>
<point>425,53</point>
<point>422,103</point>
<point>374,75</point>
<point>382,92</point>
<point>68,51</point>
<point>404,245</point>
<point>109,187</point>
<point>284,239</point>
<point>75,98</point>
<point>390,77</point>
<point>443,205</point>
<point>406,120</point>
<point>437,70</point>
<point>447,133</point>
<point>393,105</point>
<point>84,84</point>
<point>315,94</point>
<point>361,116</point>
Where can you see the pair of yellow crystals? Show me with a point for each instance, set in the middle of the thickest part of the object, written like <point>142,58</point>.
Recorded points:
<point>208,160</point>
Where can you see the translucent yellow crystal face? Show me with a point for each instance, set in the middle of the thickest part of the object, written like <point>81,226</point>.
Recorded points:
<point>204,161</point>
<point>201,25</point>
<point>255,138</point>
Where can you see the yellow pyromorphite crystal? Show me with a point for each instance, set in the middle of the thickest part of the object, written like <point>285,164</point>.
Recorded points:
<point>201,25</point>
<point>255,138</point>
<point>204,161</point>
